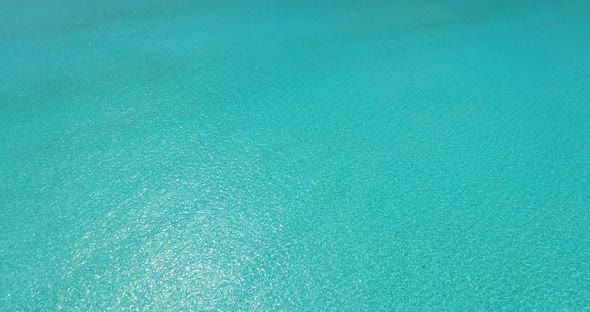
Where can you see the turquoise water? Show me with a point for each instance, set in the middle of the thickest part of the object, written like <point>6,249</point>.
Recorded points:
<point>294,155</point>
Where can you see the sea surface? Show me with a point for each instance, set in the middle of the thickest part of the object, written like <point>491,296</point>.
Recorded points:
<point>353,155</point>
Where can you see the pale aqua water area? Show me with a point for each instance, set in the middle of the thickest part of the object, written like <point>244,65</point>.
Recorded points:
<point>294,155</point>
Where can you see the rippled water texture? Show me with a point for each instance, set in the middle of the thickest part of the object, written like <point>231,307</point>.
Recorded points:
<point>294,155</point>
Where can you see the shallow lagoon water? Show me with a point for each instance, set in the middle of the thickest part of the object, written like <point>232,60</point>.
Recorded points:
<point>294,155</point>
